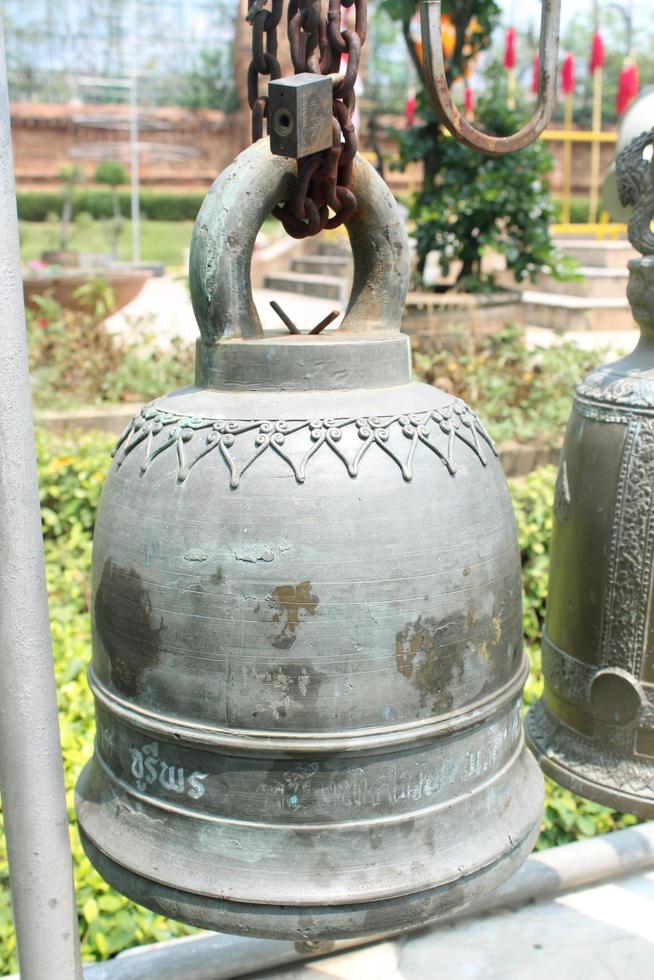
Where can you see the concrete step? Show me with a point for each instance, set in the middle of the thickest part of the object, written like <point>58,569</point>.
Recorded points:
<point>336,247</point>
<point>597,283</point>
<point>603,255</point>
<point>560,312</point>
<point>323,265</point>
<point>326,287</point>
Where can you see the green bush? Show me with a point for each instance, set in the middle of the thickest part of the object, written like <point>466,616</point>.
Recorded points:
<point>521,394</point>
<point>72,469</point>
<point>155,205</point>
<point>75,360</point>
<point>579,209</point>
<point>475,202</point>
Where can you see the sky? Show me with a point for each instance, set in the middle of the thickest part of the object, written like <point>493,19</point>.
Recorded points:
<point>526,12</point>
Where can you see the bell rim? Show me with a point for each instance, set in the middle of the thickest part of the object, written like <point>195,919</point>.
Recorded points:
<point>567,770</point>
<point>313,921</point>
<point>141,841</point>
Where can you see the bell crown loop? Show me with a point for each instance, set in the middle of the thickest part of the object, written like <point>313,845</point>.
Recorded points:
<point>226,228</point>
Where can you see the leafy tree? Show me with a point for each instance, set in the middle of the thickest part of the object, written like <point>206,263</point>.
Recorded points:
<point>476,202</point>
<point>473,22</point>
<point>113,174</point>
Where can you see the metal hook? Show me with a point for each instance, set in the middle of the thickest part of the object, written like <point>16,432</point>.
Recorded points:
<point>439,93</point>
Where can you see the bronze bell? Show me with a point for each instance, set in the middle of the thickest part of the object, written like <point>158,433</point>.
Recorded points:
<point>593,730</point>
<point>307,642</point>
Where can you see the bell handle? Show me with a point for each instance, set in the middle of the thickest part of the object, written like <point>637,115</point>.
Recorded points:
<point>441,99</point>
<point>229,220</point>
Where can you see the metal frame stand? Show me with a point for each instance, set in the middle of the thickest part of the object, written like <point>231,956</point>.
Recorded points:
<point>31,768</point>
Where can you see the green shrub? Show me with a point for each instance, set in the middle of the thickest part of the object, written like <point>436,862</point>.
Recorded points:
<point>72,469</point>
<point>155,205</point>
<point>532,501</point>
<point>521,394</point>
<point>579,209</point>
<point>75,360</point>
<point>470,202</point>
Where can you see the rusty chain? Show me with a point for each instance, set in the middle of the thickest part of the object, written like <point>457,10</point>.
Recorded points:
<point>317,45</point>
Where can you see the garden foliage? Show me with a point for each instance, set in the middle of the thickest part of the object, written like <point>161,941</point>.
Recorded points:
<point>154,205</point>
<point>523,394</point>
<point>476,203</point>
<point>470,201</point>
<point>74,352</point>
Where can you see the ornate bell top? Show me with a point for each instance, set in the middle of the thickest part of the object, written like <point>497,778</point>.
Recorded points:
<point>368,350</point>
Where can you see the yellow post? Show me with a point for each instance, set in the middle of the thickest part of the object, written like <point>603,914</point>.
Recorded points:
<point>511,87</point>
<point>595,149</point>
<point>567,156</point>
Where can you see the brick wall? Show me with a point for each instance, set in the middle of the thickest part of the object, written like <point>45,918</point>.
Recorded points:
<point>44,136</point>
<point>47,137</point>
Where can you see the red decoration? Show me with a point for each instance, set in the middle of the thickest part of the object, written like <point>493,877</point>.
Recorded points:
<point>469,100</point>
<point>410,109</point>
<point>628,85</point>
<point>509,49</point>
<point>535,75</point>
<point>568,75</point>
<point>596,53</point>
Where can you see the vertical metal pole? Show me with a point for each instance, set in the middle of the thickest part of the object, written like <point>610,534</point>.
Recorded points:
<point>134,167</point>
<point>31,769</point>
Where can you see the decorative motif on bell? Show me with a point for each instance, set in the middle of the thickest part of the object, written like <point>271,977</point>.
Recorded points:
<point>593,730</point>
<point>307,625</point>
<point>438,430</point>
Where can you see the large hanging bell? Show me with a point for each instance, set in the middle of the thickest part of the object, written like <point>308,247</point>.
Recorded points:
<point>593,730</point>
<point>307,651</point>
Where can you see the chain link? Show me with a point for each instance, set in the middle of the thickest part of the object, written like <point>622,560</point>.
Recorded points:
<point>317,44</point>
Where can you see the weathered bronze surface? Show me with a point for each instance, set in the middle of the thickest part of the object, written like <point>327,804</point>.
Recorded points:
<point>593,730</point>
<point>307,634</point>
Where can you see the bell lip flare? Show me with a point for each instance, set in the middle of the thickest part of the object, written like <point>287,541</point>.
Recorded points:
<point>333,919</point>
<point>315,922</point>
<point>563,754</point>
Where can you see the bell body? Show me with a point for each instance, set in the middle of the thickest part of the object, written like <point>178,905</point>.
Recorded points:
<point>593,730</point>
<point>307,647</point>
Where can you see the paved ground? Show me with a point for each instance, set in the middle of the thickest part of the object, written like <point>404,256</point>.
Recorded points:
<point>603,933</point>
<point>164,308</point>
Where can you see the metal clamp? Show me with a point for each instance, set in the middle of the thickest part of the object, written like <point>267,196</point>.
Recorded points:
<point>439,93</point>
